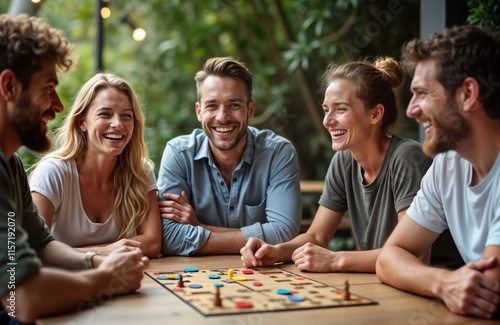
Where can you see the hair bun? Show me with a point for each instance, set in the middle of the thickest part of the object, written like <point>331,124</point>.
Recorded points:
<point>391,69</point>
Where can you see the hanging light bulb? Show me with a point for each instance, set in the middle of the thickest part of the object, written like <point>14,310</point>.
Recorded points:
<point>105,12</point>
<point>139,34</point>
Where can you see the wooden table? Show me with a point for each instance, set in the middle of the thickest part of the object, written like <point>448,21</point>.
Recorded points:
<point>153,304</point>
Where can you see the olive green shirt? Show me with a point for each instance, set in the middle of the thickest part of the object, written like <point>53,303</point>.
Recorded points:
<point>22,230</point>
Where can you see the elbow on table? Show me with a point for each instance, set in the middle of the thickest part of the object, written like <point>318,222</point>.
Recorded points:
<point>26,309</point>
<point>154,250</point>
<point>380,267</point>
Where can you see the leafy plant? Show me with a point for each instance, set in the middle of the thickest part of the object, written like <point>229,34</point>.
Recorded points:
<point>484,13</point>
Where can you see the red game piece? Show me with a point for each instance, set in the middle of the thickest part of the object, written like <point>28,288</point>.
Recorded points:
<point>243,304</point>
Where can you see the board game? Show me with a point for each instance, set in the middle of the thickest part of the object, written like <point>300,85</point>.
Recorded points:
<point>225,291</point>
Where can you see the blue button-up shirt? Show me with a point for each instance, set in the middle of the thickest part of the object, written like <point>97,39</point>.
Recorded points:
<point>264,199</point>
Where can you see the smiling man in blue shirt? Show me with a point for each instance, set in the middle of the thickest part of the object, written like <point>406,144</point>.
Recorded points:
<point>228,182</point>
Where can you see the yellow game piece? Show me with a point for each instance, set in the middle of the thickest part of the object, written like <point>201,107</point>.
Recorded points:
<point>239,278</point>
<point>230,273</point>
<point>171,276</point>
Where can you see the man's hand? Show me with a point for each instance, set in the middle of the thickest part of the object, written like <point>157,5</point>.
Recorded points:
<point>313,258</point>
<point>467,291</point>
<point>124,242</point>
<point>257,253</point>
<point>177,208</point>
<point>126,266</point>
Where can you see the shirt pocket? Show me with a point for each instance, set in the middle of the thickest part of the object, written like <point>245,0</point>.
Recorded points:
<point>255,213</point>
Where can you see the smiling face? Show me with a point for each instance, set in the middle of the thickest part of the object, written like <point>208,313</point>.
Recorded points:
<point>108,123</point>
<point>346,118</point>
<point>223,111</point>
<point>36,106</point>
<point>445,128</point>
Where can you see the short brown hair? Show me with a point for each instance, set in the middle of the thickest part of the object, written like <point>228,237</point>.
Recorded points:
<point>224,67</point>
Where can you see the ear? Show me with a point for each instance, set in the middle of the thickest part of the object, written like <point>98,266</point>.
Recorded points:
<point>81,125</point>
<point>198,111</point>
<point>251,108</point>
<point>377,114</point>
<point>468,94</point>
<point>8,85</point>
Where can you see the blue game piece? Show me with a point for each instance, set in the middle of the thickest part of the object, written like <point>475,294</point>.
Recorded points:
<point>218,284</point>
<point>195,286</point>
<point>296,298</point>
<point>214,276</point>
<point>190,269</point>
<point>162,277</point>
<point>283,291</point>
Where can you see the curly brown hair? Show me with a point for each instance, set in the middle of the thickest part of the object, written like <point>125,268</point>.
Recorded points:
<point>25,41</point>
<point>461,52</point>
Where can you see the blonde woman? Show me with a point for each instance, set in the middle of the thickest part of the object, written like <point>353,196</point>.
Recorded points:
<point>97,190</point>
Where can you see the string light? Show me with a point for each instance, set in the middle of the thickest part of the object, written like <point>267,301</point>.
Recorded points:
<point>139,34</point>
<point>105,12</point>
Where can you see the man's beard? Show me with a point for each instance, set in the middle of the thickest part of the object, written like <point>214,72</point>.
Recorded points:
<point>227,147</point>
<point>27,124</point>
<point>450,130</point>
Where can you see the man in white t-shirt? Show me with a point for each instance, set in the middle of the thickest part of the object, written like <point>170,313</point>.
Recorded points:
<point>456,96</point>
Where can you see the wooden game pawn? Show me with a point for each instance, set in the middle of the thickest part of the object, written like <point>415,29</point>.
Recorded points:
<point>347,295</point>
<point>180,283</point>
<point>217,300</point>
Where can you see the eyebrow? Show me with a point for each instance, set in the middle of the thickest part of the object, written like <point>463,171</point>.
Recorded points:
<point>105,108</point>
<point>51,79</point>
<point>339,103</point>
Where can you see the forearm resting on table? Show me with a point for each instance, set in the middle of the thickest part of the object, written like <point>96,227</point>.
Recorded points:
<point>56,297</point>
<point>399,268</point>
<point>359,261</point>
<point>223,243</point>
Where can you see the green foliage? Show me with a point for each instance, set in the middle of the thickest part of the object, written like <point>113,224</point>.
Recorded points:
<point>287,44</point>
<point>484,13</point>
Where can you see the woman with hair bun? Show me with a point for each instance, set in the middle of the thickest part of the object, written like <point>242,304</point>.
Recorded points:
<point>375,174</point>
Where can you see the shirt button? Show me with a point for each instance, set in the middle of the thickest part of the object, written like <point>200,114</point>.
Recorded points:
<point>231,208</point>
<point>234,179</point>
<point>222,183</point>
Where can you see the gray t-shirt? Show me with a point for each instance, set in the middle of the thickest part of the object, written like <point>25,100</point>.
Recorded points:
<point>373,208</point>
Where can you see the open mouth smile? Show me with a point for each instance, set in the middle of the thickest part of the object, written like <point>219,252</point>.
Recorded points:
<point>112,136</point>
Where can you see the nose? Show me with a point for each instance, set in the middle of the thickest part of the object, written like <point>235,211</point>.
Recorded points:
<point>223,114</point>
<point>116,121</point>
<point>413,109</point>
<point>57,105</point>
<point>329,120</point>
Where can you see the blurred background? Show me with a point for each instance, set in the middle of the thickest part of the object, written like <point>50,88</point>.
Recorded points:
<point>158,45</point>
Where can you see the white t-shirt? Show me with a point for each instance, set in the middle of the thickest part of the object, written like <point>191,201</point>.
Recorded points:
<point>57,180</point>
<point>446,200</point>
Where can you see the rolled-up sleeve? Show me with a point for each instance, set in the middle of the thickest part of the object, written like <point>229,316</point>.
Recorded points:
<point>181,239</point>
<point>283,204</point>
<point>178,239</point>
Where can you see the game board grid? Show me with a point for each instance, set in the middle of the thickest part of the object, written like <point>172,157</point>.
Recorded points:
<point>263,298</point>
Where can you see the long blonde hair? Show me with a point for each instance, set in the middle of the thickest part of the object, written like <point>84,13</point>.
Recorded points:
<point>133,167</point>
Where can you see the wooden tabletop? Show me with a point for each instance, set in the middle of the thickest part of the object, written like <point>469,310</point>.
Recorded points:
<point>153,304</point>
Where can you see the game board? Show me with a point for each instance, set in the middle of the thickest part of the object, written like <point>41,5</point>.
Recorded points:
<point>225,291</point>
